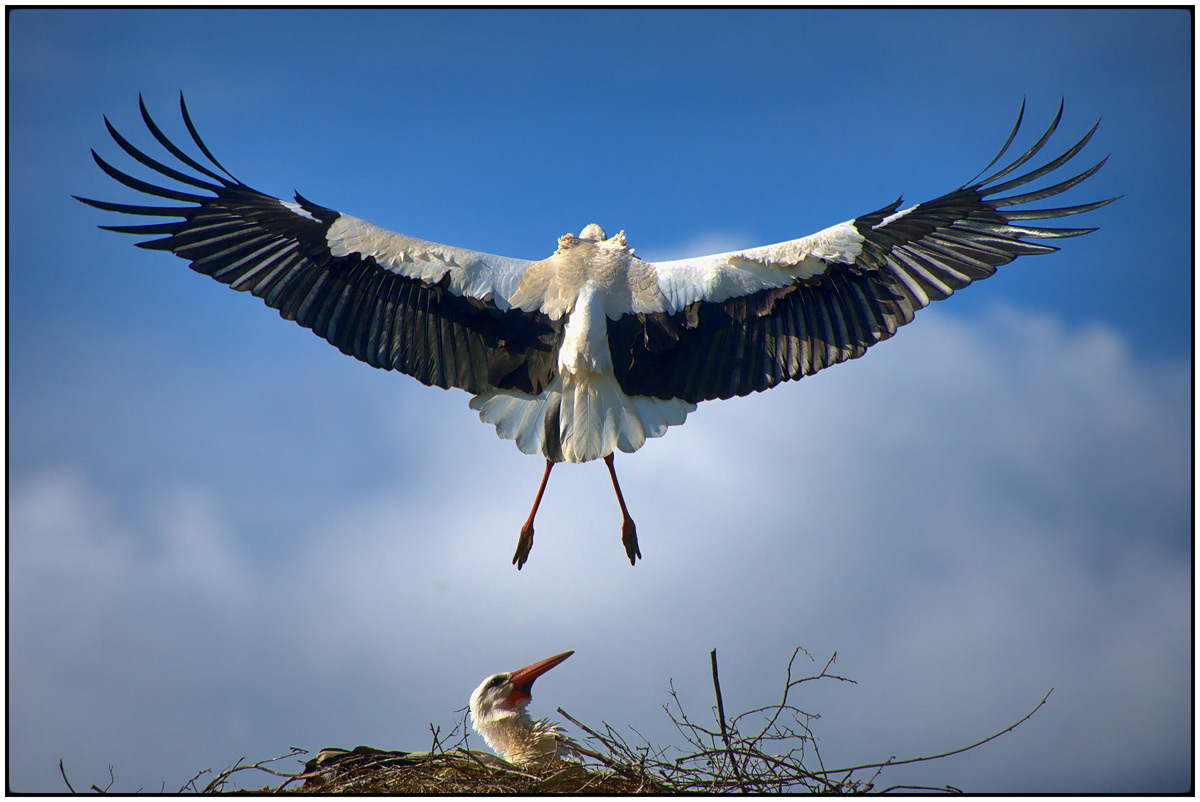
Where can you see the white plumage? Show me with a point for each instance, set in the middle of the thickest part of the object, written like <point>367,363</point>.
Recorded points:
<point>593,350</point>
<point>587,280</point>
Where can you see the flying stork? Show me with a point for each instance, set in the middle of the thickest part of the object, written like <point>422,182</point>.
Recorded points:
<point>591,349</point>
<point>498,714</point>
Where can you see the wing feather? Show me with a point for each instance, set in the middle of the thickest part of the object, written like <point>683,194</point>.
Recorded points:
<point>744,321</point>
<point>436,312</point>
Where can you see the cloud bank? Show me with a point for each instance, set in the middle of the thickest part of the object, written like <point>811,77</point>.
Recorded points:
<point>977,511</point>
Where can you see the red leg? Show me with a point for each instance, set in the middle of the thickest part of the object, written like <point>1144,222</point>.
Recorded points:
<point>525,542</point>
<point>628,530</point>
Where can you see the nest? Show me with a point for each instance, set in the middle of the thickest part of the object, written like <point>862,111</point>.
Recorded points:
<point>770,749</point>
<point>364,770</point>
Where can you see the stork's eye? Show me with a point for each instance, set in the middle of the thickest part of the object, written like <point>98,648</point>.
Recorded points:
<point>496,682</point>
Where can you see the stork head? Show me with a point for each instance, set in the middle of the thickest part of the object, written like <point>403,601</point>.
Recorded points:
<point>503,695</point>
<point>593,232</point>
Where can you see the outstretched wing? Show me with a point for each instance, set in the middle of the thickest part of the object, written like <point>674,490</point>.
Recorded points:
<point>435,312</point>
<point>744,321</point>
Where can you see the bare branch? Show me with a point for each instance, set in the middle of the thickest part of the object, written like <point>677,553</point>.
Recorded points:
<point>721,718</point>
<point>111,779</point>
<point>63,772</point>
<point>894,762</point>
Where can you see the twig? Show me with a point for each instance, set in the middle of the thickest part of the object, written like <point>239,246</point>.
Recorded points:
<point>893,762</point>
<point>191,783</point>
<point>219,781</point>
<point>111,780</point>
<point>581,725</point>
<point>737,773</point>
<point>615,766</point>
<point>63,772</point>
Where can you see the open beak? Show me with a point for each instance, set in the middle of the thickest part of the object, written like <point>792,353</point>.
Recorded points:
<point>522,679</point>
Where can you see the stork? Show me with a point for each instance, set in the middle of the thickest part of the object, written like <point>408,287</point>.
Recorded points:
<point>592,350</point>
<point>498,714</point>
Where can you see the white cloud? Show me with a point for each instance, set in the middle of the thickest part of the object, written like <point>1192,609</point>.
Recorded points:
<point>973,513</point>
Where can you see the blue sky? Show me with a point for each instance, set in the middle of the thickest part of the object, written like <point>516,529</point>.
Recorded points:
<point>226,538</point>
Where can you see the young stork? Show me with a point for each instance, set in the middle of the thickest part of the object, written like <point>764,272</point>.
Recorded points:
<point>498,714</point>
<point>591,349</point>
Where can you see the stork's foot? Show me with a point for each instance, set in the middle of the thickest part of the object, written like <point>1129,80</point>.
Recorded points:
<point>525,544</point>
<point>629,538</point>
<point>628,530</point>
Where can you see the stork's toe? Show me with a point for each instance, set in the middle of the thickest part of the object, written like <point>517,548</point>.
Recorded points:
<point>525,544</point>
<point>629,538</point>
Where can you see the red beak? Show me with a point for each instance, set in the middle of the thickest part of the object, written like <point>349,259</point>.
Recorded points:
<point>522,679</point>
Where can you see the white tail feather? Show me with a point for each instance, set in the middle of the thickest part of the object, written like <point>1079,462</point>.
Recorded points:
<point>531,435</point>
<point>594,417</point>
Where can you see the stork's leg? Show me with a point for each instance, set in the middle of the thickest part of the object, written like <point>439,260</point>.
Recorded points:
<point>525,542</point>
<point>628,530</point>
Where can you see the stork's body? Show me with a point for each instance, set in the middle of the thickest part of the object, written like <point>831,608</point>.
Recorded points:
<point>583,414</point>
<point>498,714</point>
<point>593,350</point>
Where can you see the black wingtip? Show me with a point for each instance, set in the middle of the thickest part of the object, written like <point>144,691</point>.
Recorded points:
<point>1004,149</point>
<point>191,127</point>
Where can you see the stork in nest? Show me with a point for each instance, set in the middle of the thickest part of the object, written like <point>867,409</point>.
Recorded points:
<point>498,714</point>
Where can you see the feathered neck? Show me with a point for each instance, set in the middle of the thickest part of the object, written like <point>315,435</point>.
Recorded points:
<point>521,740</point>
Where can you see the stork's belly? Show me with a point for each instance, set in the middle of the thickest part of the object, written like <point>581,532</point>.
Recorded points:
<point>578,418</point>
